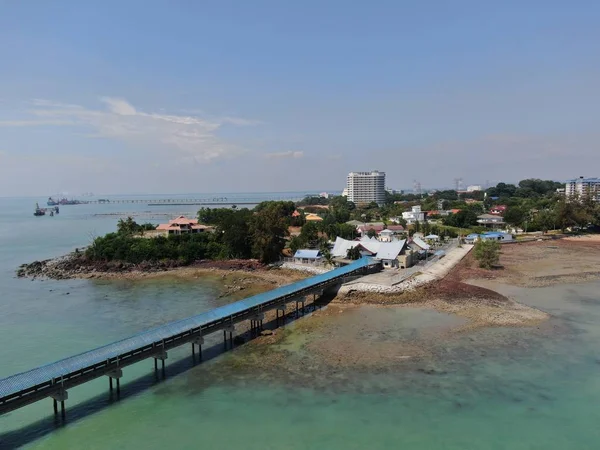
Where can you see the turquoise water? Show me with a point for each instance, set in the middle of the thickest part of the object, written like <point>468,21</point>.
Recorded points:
<point>517,388</point>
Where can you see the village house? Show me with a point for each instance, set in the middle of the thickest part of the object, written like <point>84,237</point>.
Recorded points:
<point>498,210</point>
<point>379,228</point>
<point>489,236</point>
<point>490,220</point>
<point>183,225</point>
<point>305,256</point>
<point>394,254</point>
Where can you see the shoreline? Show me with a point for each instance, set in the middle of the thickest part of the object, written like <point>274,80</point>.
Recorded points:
<point>446,288</point>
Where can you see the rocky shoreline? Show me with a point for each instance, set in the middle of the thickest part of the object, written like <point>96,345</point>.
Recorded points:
<point>76,265</point>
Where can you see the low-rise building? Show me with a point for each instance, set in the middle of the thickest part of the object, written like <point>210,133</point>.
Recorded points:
<point>498,210</point>
<point>489,236</point>
<point>496,236</point>
<point>183,225</point>
<point>490,220</point>
<point>363,230</point>
<point>394,254</point>
<point>414,215</point>
<point>305,256</point>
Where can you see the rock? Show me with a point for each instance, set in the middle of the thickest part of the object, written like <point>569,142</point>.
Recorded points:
<point>267,333</point>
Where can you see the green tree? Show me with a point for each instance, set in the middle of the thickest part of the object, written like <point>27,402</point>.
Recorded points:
<point>514,215</point>
<point>269,228</point>
<point>310,232</point>
<point>127,227</point>
<point>353,253</point>
<point>371,233</point>
<point>487,252</point>
<point>296,243</point>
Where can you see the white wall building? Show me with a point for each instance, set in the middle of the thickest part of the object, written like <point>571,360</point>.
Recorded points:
<point>474,188</point>
<point>366,187</point>
<point>582,187</point>
<point>414,215</point>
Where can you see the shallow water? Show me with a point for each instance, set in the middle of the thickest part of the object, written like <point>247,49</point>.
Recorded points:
<point>517,388</point>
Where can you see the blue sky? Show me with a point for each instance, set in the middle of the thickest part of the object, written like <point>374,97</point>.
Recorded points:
<point>206,96</point>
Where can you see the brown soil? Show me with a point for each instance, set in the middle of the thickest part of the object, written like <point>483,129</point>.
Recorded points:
<point>540,263</point>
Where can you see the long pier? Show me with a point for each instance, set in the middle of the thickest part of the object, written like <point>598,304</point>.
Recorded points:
<point>53,380</point>
<point>191,201</point>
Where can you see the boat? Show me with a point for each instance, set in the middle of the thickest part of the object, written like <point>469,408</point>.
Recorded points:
<point>51,202</point>
<point>39,211</point>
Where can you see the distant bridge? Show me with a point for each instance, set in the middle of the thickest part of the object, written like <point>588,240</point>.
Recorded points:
<point>53,380</point>
<point>207,201</point>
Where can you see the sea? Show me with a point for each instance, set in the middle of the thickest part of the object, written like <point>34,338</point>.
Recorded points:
<point>494,388</point>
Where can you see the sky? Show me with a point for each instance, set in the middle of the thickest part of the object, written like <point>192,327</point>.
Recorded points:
<point>188,96</point>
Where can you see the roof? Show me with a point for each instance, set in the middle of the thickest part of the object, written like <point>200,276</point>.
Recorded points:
<point>494,234</point>
<point>313,217</point>
<point>310,254</point>
<point>390,250</point>
<point>182,220</point>
<point>386,231</point>
<point>432,236</point>
<point>341,247</point>
<point>420,243</point>
<point>395,227</point>
<point>176,226</point>
<point>584,180</point>
<point>472,236</point>
<point>380,250</point>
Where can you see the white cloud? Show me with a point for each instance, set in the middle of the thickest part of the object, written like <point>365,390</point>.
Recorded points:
<point>119,106</point>
<point>288,154</point>
<point>193,138</point>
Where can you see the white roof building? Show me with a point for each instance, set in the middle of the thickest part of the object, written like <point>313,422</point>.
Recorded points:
<point>378,249</point>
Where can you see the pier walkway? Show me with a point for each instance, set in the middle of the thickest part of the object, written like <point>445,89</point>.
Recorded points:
<point>53,380</point>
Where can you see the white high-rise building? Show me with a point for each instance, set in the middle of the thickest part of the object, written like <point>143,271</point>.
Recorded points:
<point>582,187</point>
<point>366,187</point>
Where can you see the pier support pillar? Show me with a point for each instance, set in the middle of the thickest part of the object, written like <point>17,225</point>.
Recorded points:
<point>229,329</point>
<point>116,374</point>
<point>60,396</point>
<point>256,322</point>
<point>162,356</point>
<point>199,341</point>
<point>281,308</point>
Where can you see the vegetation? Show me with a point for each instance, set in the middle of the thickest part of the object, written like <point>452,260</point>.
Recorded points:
<point>353,253</point>
<point>242,233</point>
<point>487,252</point>
<point>263,233</point>
<point>131,227</point>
